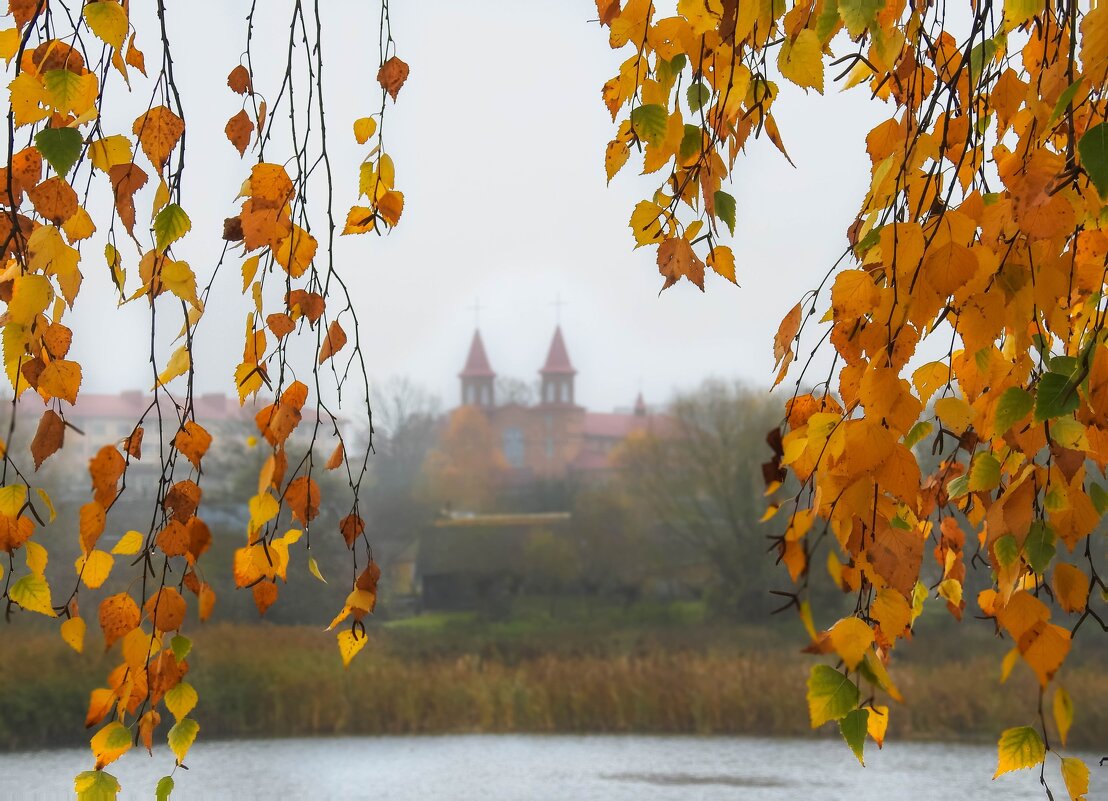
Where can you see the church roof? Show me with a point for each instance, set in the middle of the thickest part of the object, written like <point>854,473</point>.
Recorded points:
<point>557,358</point>
<point>477,363</point>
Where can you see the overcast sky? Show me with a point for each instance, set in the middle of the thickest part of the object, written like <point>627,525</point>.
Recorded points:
<point>498,139</point>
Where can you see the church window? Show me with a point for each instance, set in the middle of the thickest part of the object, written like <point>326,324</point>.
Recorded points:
<point>513,446</point>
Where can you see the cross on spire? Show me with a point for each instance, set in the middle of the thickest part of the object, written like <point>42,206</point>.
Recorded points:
<point>476,309</point>
<point>558,304</point>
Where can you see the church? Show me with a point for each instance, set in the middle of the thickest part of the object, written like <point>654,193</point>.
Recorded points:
<point>555,438</point>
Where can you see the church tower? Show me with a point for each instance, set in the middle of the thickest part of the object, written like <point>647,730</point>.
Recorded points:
<point>477,377</point>
<point>557,374</point>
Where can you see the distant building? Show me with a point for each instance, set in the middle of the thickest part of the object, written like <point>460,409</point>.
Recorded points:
<point>554,438</point>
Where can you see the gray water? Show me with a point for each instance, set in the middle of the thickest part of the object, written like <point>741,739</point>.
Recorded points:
<point>550,768</point>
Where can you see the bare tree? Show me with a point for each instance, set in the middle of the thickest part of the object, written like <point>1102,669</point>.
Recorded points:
<point>699,474</point>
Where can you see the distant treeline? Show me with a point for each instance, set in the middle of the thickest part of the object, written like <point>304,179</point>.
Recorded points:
<point>271,681</point>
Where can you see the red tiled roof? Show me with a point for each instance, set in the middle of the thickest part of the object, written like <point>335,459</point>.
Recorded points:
<point>557,358</point>
<point>477,363</point>
<point>130,404</point>
<point>613,425</point>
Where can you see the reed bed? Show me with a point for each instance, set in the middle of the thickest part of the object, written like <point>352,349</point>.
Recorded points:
<point>269,681</point>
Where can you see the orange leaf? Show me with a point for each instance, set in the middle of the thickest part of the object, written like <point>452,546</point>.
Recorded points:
<point>239,80</point>
<point>48,437</point>
<point>336,339</point>
<point>193,442</point>
<point>302,496</point>
<point>119,614</point>
<point>158,131</point>
<point>239,129</point>
<point>166,609</point>
<point>392,75</point>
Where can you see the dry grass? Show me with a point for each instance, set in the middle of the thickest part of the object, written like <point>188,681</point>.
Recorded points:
<point>267,681</point>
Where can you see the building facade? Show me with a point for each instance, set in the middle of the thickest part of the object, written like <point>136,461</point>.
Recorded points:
<point>555,437</point>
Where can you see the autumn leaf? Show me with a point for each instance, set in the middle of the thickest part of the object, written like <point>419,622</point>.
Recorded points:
<point>302,497</point>
<point>33,594</point>
<point>239,80</point>
<point>676,260</point>
<point>73,633</point>
<point>1020,747</point>
<point>110,743</point>
<point>392,75</point>
<point>350,643</point>
<point>239,129</point>
<point>333,343</point>
<point>158,131</point>
<point>831,695</point>
<point>108,21</point>
<point>182,736</point>
<point>96,785</point>
<point>61,147</point>
<point>48,437</point>
<point>119,614</point>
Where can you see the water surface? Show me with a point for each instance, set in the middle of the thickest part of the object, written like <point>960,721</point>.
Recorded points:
<point>550,768</point>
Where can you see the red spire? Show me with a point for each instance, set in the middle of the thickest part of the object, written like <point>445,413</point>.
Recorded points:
<point>557,359</point>
<point>477,363</point>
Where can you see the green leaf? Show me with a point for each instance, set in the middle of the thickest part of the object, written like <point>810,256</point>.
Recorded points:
<point>313,568</point>
<point>649,122</point>
<point>1056,396</point>
<point>1013,406</point>
<point>1066,365</point>
<point>857,15</point>
<point>1093,148</point>
<point>96,785</point>
<point>182,736</point>
<point>1007,550</point>
<point>690,142</point>
<point>725,209</point>
<point>853,729</point>
<point>697,95</point>
<point>957,487</point>
<point>1064,101</point>
<point>61,147</point>
<point>33,594</point>
<point>917,433</point>
<point>180,645</point>
<point>164,788</point>
<point>1100,498</point>
<point>984,473</point>
<point>1019,748</point>
<point>1039,546</point>
<point>831,695</point>
<point>170,225</point>
<point>828,20</point>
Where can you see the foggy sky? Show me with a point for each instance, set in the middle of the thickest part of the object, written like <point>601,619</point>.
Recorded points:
<point>498,139</point>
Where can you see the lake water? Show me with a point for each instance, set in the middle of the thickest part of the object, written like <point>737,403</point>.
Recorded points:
<point>550,768</point>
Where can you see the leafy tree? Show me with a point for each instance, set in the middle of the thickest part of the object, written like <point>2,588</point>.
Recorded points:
<point>699,474</point>
<point>981,230</point>
<point>980,242</point>
<point>463,470</point>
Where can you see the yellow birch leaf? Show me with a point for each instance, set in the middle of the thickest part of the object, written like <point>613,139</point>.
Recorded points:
<point>33,594</point>
<point>801,60</point>
<point>181,700</point>
<point>178,365</point>
<point>349,645</point>
<point>110,743</point>
<point>73,633</point>
<point>94,568</point>
<point>851,638</point>
<point>313,568</point>
<point>108,21</point>
<point>1075,773</point>
<point>1062,707</point>
<point>36,558</point>
<point>110,151</point>
<point>129,544</point>
<point>878,724</point>
<point>364,128</point>
<point>1018,748</point>
<point>182,736</point>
